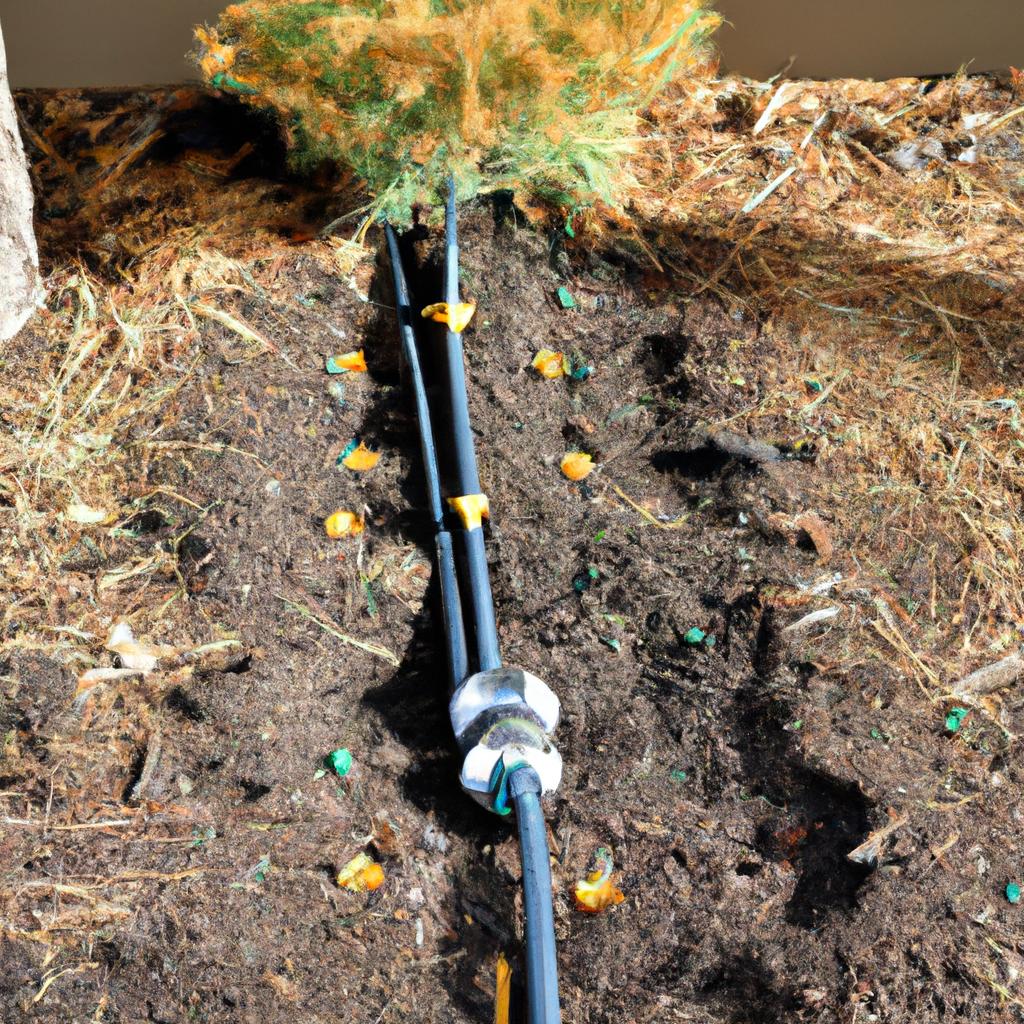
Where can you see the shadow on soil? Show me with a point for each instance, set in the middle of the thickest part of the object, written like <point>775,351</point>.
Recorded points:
<point>811,819</point>
<point>745,992</point>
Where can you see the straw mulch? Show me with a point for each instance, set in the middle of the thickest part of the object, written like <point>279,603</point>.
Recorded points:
<point>873,230</point>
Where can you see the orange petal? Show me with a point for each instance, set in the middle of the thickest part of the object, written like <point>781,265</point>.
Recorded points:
<point>549,363</point>
<point>343,524</point>
<point>372,877</point>
<point>361,874</point>
<point>577,465</point>
<point>354,361</point>
<point>361,459</point>
<point>593,897</point>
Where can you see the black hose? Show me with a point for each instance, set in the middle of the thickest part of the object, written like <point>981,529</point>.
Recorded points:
<point>451,604</point>
<point>541,963</point>
<point>467,480</point>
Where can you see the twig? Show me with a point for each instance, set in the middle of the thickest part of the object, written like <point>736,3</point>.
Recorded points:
<point>28,823</point>
<point>990,678</point>
<point>1000,121</point>
<point>215,449</point>
<point>835,382</point>
<point>786,91</point>
<point>329,627</point>
<point>50,978</point>
<point>653,520</point>
<point>812,619</point>
<point>753,204</point>
<point>241,328</point>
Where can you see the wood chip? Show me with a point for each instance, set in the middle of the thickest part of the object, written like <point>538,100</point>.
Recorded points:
<point>990,678</point>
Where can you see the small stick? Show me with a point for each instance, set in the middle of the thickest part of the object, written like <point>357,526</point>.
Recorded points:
<point>989,678</point>
<point>761,196</point>
<point>329,627</point>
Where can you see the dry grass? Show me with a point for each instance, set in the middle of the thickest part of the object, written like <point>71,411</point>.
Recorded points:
<point>801,190</point>
<point>147,272</point>
<point>924,473</point>
<point>894,298</point>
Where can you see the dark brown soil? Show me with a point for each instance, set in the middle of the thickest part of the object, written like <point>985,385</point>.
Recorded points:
<point>730,780</point>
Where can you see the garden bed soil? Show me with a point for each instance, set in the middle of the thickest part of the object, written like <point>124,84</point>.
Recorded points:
<point>169,848</point>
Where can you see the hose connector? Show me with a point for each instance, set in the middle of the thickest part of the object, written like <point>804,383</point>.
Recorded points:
<point>503,719</point>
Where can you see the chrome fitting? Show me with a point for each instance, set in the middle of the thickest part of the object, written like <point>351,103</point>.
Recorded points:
<point>503,719</point>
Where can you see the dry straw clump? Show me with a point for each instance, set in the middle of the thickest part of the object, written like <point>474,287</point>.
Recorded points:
<point>874,228</point>
<point>541,97</point>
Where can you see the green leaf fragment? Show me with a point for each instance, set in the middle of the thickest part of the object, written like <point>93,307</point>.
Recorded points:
<point>565,298</point>
<point>1013,892</point>
<point>371,600</point>
<point>222,80</point>
<point>693,636</point>
<point>340,760</point>
<point>260,870</point>
<point>955,717</point>
<point>201,836</point>
<point>347,451</point>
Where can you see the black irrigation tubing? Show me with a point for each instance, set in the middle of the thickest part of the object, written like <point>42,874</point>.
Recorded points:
<point>467,480</point>
<point>451,602</point>
<point>541,961</point>
<point>524,784</point>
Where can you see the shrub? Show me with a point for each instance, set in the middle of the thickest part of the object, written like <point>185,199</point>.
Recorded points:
<point>541,97</point>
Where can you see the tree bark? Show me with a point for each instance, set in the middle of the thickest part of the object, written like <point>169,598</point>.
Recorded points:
<point>20,286</point>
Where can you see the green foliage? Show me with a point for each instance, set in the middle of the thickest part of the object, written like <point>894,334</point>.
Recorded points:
<point>540,96</point>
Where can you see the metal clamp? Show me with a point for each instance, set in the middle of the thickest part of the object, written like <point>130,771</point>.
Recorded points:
<point>503,719</point>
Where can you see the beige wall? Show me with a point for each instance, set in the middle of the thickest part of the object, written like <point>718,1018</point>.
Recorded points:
<point>131,42</point>
<point>871,38</point>
<point>101,42</point>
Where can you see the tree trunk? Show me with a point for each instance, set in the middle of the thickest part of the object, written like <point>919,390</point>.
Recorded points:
<point>20,287</point>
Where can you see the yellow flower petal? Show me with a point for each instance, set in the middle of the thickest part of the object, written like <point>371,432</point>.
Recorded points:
<point>577,465</point>
<point>353,361</point>
<point>463,314</point>
<point>361,459</point>
<point>503,993</point>
<point>594,896</point>
<point>457,321</point>
<point>343,524</point>
<point>361,874</point>
<point>549,363</point>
